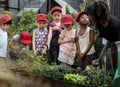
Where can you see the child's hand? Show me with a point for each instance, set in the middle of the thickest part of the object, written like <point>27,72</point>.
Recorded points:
<point>44,52</point>
<point>16,49</point>
<point>82,55</point>
<point>56,28</point>
<point>71,40</point>
<point>76,39</point>
<point>35,52</point>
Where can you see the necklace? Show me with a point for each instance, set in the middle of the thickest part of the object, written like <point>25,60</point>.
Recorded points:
<point>82,31</point>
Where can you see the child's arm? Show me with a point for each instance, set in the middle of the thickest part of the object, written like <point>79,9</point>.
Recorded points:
<point>57,28</point>
<point>77,48</point>
<point>61,40</point>
<point>91,38</point>
<point>97,36</point>
<point>15,48</point>
<point>45,48</point>
<point>77,43</point>
<point>33,43</point>
<point>49,37</point>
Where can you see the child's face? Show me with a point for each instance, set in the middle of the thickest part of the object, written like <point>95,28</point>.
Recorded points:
<point>68,26</point>
<point>41,24</point>
<point>56,16</point>
<point>5,26</point>
<point>83,20</point>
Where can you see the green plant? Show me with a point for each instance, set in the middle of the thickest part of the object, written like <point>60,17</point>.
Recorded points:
<point>75,24</point>
<point>98,77</point>
<point>97,44</point>
<point>76,78</point>
<point>32,64</point>
<point>49,16</point>
<point>55,71</point>
<point>39,61</point>
<point>28,17</point>
<point>27,21</point>
<point>67,10</point>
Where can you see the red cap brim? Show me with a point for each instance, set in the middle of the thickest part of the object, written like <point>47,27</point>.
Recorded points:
<point>67,23</point>
<point>26,41</point>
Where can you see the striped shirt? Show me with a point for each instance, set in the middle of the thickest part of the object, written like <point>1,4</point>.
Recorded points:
<point>68,48</point>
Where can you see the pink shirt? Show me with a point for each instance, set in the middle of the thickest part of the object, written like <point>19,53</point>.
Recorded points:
<point>68,48</point>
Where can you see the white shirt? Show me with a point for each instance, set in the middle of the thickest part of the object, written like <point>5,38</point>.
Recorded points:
<point>84,41</point>
<point>3,43</point>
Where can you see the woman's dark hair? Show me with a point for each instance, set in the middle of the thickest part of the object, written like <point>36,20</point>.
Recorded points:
<point>98,9</point>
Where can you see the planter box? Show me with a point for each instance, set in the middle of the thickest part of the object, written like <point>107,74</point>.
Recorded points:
<point>62,83</point>
<point>34,81</point>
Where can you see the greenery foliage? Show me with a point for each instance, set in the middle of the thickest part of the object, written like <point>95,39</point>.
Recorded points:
<point>49,16</point>
<point>27,21</point>
<point>97,43</point>
<point>38,66</point>
<point>67,10</point>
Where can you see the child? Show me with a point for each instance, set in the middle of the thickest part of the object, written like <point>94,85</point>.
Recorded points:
<point>5,22</point>
<point>66,41</point>
<point>85,41</point>
<point>40,35</point>
<point>19,44</point>
<point>54,31</point>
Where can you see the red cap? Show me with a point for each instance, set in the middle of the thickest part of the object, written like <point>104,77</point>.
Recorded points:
<point>5,18</point>
<point>79,15</point>
<point>41,17</point>
<point>56,8</point>
<point>67,19</point>
<point>25,37</point>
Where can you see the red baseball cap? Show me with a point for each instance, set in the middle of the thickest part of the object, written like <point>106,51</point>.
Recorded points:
<point>41,17</point>
<point>5,18</point>
<point>25,37</point>
<point>56,8</point>
<point>67,19</point>
<point>79,15</point>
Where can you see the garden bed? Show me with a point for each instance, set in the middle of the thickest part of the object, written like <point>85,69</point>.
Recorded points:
<point>38,71</point>
<point>62,83</point>
<point>34,81</point>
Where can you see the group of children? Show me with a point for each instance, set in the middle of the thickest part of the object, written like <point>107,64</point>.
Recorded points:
<point>60,41</point>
